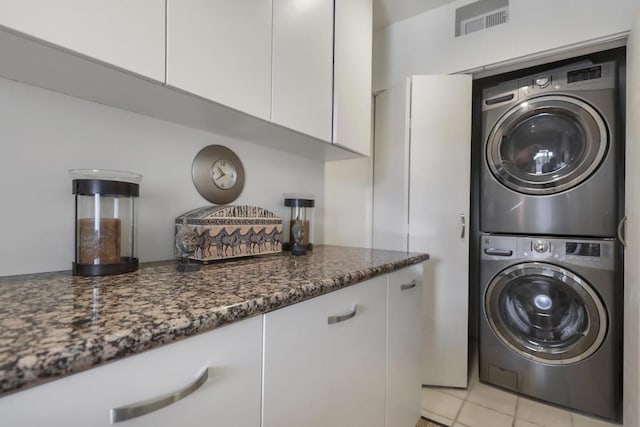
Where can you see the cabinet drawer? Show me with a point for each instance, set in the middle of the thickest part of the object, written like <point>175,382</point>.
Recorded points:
<point>324,366</point>
<point>231,396</point>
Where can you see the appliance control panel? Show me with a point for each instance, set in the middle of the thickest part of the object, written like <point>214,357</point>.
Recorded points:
<point>577,77</point>
<point>580,76</point>
<point>548,249</point>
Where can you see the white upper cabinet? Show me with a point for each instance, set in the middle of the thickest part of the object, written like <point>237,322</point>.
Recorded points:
<point>352,75</point>
<point>260,70</point>
<point>303,66</point>
<point>221,50</point>
<point>127,34</point>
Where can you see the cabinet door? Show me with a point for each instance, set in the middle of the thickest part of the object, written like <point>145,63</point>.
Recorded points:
<point>221,50</point>
<point>438,217</point>
<point>631,409</point>
<point>352,75</point>
<point>303,66</point>
<point>127,34</point>
<point>404,346</point>
<point>318,374</point>
<point>231,396</point>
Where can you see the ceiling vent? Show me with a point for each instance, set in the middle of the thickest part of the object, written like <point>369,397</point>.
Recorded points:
<point>480,15</point>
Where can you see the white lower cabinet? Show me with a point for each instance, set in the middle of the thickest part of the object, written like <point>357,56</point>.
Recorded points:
<point>324,374</point>
<point>347,358</point>
<point>404,346</point>
<point>230,397</point>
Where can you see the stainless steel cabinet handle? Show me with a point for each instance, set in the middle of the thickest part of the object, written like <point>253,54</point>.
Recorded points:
<point>124,413</point>
<point>408,285</point>
<point>463,226</point>
<point>335,319</point>
<point>621,224</point>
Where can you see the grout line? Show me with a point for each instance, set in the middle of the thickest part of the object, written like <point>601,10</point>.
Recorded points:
<point>469,385</point>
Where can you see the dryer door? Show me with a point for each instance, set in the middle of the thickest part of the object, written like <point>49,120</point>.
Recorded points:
<point>547,144</point>
<point>545,313</point>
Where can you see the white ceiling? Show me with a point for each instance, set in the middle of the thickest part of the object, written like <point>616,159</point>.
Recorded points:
<point>386,12</point>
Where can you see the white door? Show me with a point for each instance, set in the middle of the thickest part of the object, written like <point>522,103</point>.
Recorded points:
<point>438,219</point>
<point>421,197</point>
<point>631,390</point>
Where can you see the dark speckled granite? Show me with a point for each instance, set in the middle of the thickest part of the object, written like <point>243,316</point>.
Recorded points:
<point>55,324</point>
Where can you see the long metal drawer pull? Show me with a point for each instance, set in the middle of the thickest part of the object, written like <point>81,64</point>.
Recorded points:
<point>335,319</point>
<point>124,413</point>
<point>462,230</point>
<point>408,285</point>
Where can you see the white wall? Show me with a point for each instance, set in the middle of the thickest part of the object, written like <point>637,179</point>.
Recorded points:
<point>43,134</point>
<point>425,44</point>
<point>349,202</point>
<point>632,251</point>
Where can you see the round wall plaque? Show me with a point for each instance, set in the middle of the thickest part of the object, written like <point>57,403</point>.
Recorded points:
<point>218,174</point>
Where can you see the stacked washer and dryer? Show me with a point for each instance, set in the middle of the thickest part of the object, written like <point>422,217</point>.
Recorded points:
<point>550,282</point>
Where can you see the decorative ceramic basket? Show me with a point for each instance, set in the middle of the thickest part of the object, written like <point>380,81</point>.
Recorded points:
<point>218,232</point>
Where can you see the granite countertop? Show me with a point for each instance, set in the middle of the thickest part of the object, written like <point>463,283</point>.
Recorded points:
<point>55,324</point>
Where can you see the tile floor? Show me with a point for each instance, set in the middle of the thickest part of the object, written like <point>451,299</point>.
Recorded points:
<point>481,405</point>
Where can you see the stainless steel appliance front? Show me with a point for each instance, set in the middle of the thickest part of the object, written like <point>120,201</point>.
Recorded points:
<point>550,148</point>
<point>549,326</point>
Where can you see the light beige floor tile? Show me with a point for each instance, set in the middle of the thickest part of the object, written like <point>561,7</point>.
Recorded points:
<point>493,398</point>
<point>541,414</point>
<point>460,393</point>
<point>435,417</point>
<point>440,403</point>
<point>582,421</point>
<point>523,423</point>
<point>474,415</point>
<point>459,425</point>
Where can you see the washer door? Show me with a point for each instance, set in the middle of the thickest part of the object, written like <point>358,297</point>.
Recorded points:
<point>545,313</point>
<point>547,144</point>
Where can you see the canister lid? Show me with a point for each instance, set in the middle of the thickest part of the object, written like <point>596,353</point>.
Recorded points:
<point>299,200</point>
<point>89,182</point>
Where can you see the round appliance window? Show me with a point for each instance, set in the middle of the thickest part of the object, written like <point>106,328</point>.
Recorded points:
<point>547,144</point>
<point>545,313</point>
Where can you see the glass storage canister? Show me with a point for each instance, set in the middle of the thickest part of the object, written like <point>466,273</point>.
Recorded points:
<point>105,229</point>
<point>300,217</point>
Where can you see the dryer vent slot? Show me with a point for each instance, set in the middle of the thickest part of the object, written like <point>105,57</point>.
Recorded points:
<point>481,15</point>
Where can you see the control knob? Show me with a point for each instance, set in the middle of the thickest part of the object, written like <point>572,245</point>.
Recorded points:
<point>543,82</point>
<point>541,246</point>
